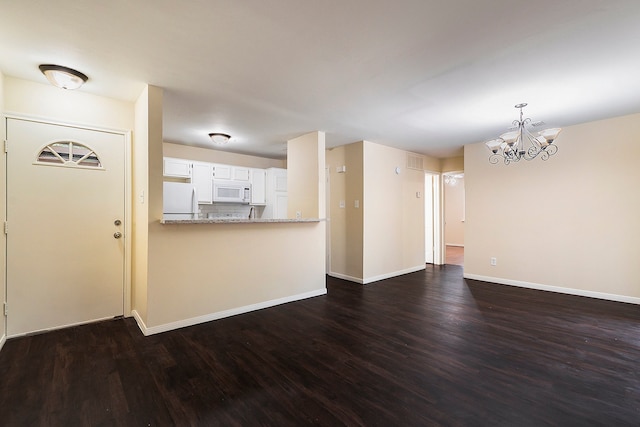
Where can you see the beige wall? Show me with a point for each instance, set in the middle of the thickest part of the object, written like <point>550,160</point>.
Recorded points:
<point>140,210</point>
<point>305,176</point>
<point>43,101</point>
<point>569,223</point>
<point>454,213</point>
<point>218,156</point>
<point>72,107</point>
<point>452,164</point>
<point>3,197</point>
<point>384,236</point>
<point>432,164</point>
<point>200,272</point>
<point>393,215</point>
<point>347,225</point>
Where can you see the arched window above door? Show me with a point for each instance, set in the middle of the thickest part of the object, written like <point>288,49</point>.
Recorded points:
<point>69,153</point>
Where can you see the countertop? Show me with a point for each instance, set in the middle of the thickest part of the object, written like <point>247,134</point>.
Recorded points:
<point>233,220</point>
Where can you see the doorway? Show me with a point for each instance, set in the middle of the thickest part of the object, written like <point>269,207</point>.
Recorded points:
<point>65,225</point>
<point>454,217</point>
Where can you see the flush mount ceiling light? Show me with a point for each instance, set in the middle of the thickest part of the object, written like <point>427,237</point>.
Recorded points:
<point>219,138</point>
<point>520,143</point>
<point>63,77</point>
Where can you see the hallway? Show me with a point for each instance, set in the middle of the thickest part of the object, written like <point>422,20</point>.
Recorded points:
<point>454,255</point>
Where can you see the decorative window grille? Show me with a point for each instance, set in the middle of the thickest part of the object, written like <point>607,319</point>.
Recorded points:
<point>69,153</point>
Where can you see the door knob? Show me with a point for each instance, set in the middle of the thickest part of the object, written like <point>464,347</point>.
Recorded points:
<point>117,222</point>
<point>117,234</point>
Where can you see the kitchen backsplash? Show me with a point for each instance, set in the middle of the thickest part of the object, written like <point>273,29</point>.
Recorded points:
<point>225,210</point>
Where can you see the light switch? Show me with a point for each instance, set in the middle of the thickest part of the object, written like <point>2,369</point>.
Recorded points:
<point>356,203</point>
<point>418,194</point>
<point>342,204</point>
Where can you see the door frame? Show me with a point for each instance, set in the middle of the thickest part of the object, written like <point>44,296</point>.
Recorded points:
<point>126,134</point>
<point>327,215</point>
<point>437,216</point>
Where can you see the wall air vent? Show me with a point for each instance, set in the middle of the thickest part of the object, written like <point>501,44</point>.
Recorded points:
<point>415,161</point>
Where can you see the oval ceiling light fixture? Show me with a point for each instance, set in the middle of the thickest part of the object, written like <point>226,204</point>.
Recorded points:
<point>219,138</point>
<point>63,77</point>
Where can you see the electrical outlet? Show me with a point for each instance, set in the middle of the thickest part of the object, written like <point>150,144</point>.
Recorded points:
<point>298,214</point>
<point>494,261</point>
<point>341,204</point>
<point>356,204</point>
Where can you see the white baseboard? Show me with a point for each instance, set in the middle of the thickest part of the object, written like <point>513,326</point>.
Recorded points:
<point>380,277</point>
<point>395,273</point>
<point>140,322</point>
<point>65,326</point>
<point>2,341</point>
<point>222,314</point>
<point>346,277</point>
<point>569,291</point>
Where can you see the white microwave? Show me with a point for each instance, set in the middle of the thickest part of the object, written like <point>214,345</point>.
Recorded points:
<point>231,191</point>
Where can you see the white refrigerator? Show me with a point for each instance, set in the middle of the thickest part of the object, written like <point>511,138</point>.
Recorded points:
<point>179,200</point>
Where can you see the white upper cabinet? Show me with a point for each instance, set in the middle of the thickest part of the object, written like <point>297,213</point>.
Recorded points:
<point>240,173</point>
<point>236,173</point>
<point>258,186</point>
<point>177,168</point>
<point>201,177</point>
<point>277,197</point>
<point>222,171</point>
<point>281,180</point>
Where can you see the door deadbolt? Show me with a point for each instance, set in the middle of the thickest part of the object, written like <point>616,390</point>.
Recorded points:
<point>117,222</point>
<point>117,234</point>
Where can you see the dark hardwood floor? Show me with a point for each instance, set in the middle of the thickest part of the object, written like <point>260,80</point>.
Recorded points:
<point>423,349</point>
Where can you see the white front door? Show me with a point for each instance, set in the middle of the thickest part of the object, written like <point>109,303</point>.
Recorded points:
<point>65,225</point>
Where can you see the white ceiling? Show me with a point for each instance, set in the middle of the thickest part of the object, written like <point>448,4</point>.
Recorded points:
<point>425,75</point>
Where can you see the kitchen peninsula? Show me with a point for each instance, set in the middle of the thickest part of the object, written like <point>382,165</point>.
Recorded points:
<point>202,269</point>
<point>197,220</point>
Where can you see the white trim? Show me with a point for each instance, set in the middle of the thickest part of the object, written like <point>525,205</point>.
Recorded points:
<point>140,322</point>
<point>2,341</point>
<point>380,277</point>
<point>346,277</point>
<point>395,273</point>
<point>41,119</point>
<point>222,314</point>
<point>128,219</point>
<point>457,245</point>
<point>558,289</point>
<point>68,325</point>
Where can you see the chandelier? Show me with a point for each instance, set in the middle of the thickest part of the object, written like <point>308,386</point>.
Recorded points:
<point>520,143</point>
